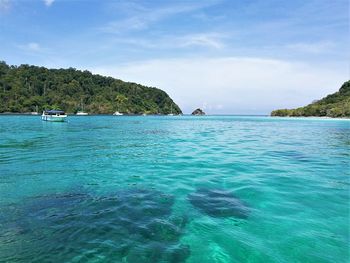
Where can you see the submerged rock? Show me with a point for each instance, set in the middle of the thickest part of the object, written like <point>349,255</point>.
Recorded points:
<point>198,112</point>
<point>218,203</point>
<point>129,224</point>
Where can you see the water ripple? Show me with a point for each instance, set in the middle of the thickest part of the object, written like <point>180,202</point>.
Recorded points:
<point>130,189</point>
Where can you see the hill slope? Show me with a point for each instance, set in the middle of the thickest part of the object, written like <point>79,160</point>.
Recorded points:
<point>334,105</point>
<point>25,87</point>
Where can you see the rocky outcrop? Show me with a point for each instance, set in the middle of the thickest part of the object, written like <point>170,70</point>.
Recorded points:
<point>198,112</point>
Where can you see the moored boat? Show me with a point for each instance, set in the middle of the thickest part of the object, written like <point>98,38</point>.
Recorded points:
<point>54,115</point>
<point>82,113</point>
<point>117,113</point>
<point>171,110</point>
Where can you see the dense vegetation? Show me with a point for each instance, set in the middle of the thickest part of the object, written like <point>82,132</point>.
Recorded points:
<point>334,105</point>
<point>26,88</point>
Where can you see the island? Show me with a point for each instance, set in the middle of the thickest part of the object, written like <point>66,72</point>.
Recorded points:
<point>336,105</point>
<point>28,88</point>
<point>198,112</point>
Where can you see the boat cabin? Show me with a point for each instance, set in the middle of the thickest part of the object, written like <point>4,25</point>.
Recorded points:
<point>54,112</point>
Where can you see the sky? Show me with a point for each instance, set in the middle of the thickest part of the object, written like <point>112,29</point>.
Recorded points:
<point>225,56</point>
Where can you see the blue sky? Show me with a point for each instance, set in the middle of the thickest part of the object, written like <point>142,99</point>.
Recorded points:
<point>227,56</point>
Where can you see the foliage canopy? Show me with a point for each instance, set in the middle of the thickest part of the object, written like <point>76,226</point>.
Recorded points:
<point>333,105</point>
<point>26,88</point>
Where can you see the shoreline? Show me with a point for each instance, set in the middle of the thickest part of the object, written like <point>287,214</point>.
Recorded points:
<point>90,114</point>
<point>240,115</point>
<point>315,117</point>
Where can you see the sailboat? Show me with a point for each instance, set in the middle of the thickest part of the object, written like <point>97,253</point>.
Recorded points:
<point>36,111</point>
<point>171,110</point>
<point>82,112</point>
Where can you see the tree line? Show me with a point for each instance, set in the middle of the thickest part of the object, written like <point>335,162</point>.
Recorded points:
<point>27,88</point>
<point>333,105</point>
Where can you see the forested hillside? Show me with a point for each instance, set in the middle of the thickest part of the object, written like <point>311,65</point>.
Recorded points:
<point>334,105</point>
<point>26,88</point>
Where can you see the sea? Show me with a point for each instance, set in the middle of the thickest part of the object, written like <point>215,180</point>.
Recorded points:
<point>196,189</point>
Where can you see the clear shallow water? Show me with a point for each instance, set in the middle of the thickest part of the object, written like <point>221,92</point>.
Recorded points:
<point>174,189</point>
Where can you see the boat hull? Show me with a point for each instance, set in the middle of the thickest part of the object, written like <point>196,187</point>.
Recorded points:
<point>54,118</point>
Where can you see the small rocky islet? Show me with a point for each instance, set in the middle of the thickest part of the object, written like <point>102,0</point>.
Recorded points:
<point>198,112</point>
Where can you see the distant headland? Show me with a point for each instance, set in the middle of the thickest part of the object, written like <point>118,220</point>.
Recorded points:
<point>336,105</point>
<point>27,88</point>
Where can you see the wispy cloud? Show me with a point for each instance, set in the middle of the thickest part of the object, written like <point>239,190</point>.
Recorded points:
<point>48,2</point>
<point>141,17</point>
<point>205,39</point>
<point>131,23</point>
<point>212,40</point>
<point>31,47</point>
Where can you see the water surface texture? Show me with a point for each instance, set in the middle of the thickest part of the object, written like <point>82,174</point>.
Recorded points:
<point>174,189</point>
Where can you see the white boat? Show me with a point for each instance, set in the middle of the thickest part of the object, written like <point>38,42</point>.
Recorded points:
<point>117,113</point>
<point>54,115</point>
<point>171,110</point>
<point>82,113</point>
<point>36,112</point>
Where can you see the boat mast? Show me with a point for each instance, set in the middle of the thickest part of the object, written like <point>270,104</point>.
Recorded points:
<point>81,104</point>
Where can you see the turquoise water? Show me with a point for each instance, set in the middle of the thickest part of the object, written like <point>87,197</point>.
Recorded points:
<point>174,189</point>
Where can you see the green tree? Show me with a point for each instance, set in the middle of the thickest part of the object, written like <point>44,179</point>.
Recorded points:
<point>24,87</point>
<point>333,105</point>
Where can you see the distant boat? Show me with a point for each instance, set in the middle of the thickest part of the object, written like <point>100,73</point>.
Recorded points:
<point>36,112</point>
<point>171,110</point>
<point>82,113</point>
<point>54,116</point>
<point>117,113</point>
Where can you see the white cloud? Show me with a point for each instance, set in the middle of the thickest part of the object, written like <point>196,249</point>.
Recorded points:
<point>48,2</point>
<point>234,84</point>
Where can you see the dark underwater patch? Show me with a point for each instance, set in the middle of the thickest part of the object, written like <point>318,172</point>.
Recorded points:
<point>128,225</point>
<point>289,154</point>
<point>219,203</point>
